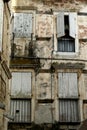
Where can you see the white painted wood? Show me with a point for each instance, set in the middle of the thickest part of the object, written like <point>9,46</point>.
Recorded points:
<point>27,24</point>
<point>26,82</point>
<point>67,83</point>
<point>21,83</point>
<point>72,24</point>
<point>60,24</point>
<point>22,24</point>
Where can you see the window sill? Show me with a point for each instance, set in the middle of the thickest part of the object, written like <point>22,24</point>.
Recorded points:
<point>69,54</point>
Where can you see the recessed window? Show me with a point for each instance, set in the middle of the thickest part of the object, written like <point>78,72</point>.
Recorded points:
<point>66,40</point>
<point>68,97</point>
<point>66,43</point>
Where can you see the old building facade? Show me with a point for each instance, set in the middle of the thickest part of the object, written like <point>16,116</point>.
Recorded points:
<point>5,74</point>
<point>48,64</point>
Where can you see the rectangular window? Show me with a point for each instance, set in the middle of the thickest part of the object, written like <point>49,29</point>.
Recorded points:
<point>20,107</point>
<point>66,32</point>
<point>23,25</point>
<point>68,97</point>
<point>21,110</point>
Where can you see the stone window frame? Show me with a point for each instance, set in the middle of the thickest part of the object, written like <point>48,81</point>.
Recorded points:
<point>55,52</point>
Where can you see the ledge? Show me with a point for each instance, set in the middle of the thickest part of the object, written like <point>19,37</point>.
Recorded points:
<point>68,65</point>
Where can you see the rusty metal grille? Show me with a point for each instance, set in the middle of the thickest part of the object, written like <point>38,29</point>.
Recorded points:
<point>68,110</point>
<point>21,110</point>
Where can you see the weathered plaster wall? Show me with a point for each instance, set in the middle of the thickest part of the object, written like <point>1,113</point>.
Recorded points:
<point>4,67</point>
<point>46,83</point>
<point>44,25</point>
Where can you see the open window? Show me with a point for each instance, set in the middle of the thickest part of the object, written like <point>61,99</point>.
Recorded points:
<point>66,33</point>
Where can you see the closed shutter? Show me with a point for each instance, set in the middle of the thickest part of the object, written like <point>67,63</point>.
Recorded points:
<point>67,83</point>
<point>27,25</point>
<point>21,110</point>
<point>22,24</point>
<point>60,24</point>
<point>21,83</point>
<point>1,22</point>
<point>73,24</point>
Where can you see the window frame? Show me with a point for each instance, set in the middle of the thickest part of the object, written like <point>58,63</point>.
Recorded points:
<point>71,98</point>
<point>55,52</point>
<point>32,98</point>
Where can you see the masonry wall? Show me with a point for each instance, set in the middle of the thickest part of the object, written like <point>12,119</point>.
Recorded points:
<point>45,103</point>
<point>5,74</point>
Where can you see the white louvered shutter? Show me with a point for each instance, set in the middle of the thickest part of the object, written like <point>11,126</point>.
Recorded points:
<point>22,24</point>
<point>67,83</point>
<point>27,24</point>
<point>21,83</point>
<point>73,24</point>
<point>60,24</point>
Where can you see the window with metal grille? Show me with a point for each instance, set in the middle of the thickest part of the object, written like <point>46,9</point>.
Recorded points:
<point>66,44</point>
<point>66,32</point>
<point>68,110</point>
<point>21,110</point>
